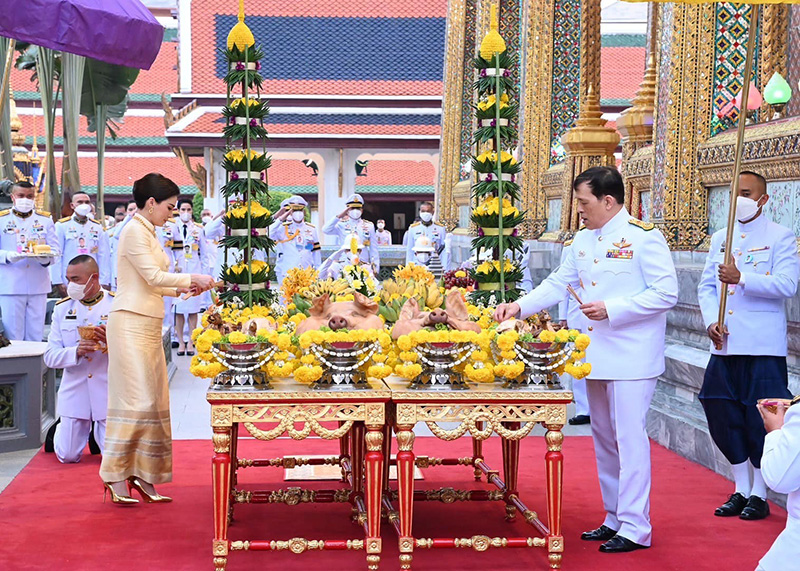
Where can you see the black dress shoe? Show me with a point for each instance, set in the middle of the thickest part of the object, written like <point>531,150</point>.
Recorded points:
<point>619,544</point>
<point>732,507</point>
<point>580,419</point>
<point>48,439</point>
<point>175,344</point>
<point>94,448</point>
<point>602,533</point>
<point>756,508</point>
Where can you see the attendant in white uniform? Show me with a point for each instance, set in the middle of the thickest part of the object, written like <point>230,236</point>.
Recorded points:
<point>80,235</point>
<point>426,227</point>
<point>83,394</point>
<point>193,259</point>
<point>780,466</point>
<point>629,285</point>
<point>296,241</point>
<point>349,222</point>
<point>211,243</point>
<point>24,278</point>
<point>571,317</point>
<point>172,243</point>
<point>748,360</point>
<point>113,241</point>
<point>382,235</point>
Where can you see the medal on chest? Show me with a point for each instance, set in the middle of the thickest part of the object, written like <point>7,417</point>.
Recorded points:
<point>621,252</point>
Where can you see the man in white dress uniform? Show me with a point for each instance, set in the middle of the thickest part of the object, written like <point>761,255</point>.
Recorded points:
<point>629,284</point>
<point>780,466</point>
<point>349,222</point>
<point>749,362</point>
<point>296,241</point>
<point>83,394</point>
<point>24,277</point>
<point>78,235</point>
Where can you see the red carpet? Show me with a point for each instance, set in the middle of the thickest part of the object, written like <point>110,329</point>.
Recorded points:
<point>52,517</point>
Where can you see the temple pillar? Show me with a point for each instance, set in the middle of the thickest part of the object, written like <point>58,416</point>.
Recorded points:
<point>678,201</point>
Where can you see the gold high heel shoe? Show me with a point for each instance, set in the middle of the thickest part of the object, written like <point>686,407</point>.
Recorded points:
<point>135,483</point>
<point>116,498</point>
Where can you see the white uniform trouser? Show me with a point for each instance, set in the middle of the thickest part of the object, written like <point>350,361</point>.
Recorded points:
<point>72,435</point>
<point>23,316</point>
<point>169,316</point>
<point>579,393</point>
<point>619,411</point>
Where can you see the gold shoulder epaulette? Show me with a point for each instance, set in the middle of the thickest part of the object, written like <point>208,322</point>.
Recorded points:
<point>65,218</point>
<point>414,224</point>
<point>43,213</point>
<point>95,221</point>
<point>646,226</point>
<point>309,224</point>
<point>111,293</point>
<point>6,211</point>
<point>568,243</point>
<point>60,301</point>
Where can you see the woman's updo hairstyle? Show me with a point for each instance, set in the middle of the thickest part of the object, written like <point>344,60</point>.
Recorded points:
<point>155,186</point>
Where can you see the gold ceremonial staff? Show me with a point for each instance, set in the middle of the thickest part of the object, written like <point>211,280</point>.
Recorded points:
<point>737,163</point>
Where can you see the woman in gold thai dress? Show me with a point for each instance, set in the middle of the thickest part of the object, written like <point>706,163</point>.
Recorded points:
<point>138,449</point>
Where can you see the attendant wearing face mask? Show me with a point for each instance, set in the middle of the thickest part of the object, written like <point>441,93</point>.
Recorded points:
<point>80,235</point>
<point>113,240</point>
<point>349,222</point>
<point>83,394</point>
<point>192,259</point>
<point>24,278</point>
<point>296,241</point>
<point>748,355</point>
<point>428,228</point>
<point>382,235</point>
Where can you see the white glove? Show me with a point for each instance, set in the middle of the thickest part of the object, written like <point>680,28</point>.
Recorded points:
<point>13,257</point>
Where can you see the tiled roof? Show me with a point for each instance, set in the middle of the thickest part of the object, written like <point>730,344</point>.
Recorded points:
<point>162,77</point>
<point>386,173</point>
<point>351,47</point>
<point>622,72</point>
<point>355,123</point>
<point>291,175</point>
<point>121,171</point>
<point>132,127</point>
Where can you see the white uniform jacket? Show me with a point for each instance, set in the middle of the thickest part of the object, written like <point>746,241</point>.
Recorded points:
<point>365,229</point>
<point>25,277</point>
<point>780,466</point>
<point>76,238</point>
<point>84,387</point>
<point>626,264</point>
<point>433,231</point>
<point>766,256</point>
<point>568,308</point>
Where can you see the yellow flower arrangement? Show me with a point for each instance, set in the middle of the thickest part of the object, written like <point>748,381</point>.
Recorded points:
<point>494,266</point>
<point>491,206</point>
<point>255,266</point>
<point>412,271</point>
<point>242,101</point>
<point>237,155</point>
<point>491,156</point>
<point>239,210</point>
<point>310,371</point>
<point>296,280</point>
<point>489,102</point>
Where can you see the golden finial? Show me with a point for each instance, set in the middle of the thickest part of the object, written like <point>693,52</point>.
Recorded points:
<point>492,42</point>
<point>17,138</point>
<point>240,35</point>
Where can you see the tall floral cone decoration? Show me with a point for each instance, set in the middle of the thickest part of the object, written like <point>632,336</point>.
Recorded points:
<point>246,191</point>
<point>497,190</point>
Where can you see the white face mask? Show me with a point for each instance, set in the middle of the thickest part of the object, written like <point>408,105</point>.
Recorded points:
<point>298,216</point>
<point>423,257</point>
<point>426,216</point>
<point>77,291</point>
<point>83,210</point>
<point>207,219</point>
<point>746,208</point>
<point>23,205</point>
<point>186,216</point>
<point>354,259</point>
<point>355,214</point>
<point>381,225</point>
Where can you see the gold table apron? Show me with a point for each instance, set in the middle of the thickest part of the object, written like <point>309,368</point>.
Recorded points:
<point>138,431</point>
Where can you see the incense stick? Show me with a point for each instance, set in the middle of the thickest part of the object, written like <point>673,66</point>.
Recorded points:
<point>574,294</point>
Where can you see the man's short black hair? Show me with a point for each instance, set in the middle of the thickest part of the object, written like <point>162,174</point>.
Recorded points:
<point>22,184</point>
<point>760,178</point>
<point>82,259</point>
<point>603,181</point>
<point>183,201</point>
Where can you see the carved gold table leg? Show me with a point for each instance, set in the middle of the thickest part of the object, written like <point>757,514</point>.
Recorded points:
<point>511,468</point>
<point>554,461</point>
<point>221,481</point>
<point>234,465</point>
<point>386,449</point>
<point>373,463</point>
<point>477,451</point>
<point>344,450</point>
<point>405,484</point>
<point>357,449</point>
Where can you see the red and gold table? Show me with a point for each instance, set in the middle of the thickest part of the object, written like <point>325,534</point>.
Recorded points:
<point>482,410</point>
<point>355,417</point>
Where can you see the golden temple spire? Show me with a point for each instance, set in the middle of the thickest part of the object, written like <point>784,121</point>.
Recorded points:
<point>492,42</point>
<point>636,122</point>
<point>17,138</point>
<point>240,35</point>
